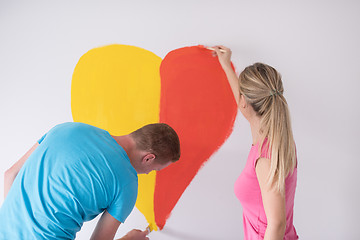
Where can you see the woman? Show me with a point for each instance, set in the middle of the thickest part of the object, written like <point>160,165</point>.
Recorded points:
<point>266,187</point>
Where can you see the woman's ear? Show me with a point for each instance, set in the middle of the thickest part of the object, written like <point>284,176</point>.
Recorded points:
<point>242,102</point>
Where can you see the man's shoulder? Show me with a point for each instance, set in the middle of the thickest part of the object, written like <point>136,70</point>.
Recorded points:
<point>74,133</point>
<point>76,126</point>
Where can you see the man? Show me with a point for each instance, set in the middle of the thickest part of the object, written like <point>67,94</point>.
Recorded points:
<point>75,172</point>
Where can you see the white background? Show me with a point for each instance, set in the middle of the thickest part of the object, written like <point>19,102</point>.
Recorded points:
<point>314,44</point>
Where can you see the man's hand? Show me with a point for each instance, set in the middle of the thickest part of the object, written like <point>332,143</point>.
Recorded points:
<point>136,234</point>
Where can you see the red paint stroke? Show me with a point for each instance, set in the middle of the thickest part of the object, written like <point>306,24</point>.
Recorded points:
<point>197,101</point>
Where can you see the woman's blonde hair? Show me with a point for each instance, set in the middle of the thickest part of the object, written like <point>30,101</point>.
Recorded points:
<point>262,88</point>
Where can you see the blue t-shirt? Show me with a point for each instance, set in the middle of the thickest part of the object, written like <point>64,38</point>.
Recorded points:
<point>75,173</point>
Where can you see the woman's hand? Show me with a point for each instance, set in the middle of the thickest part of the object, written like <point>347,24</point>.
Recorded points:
<point>224,55</point>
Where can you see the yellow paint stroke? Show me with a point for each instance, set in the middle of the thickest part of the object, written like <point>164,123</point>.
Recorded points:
<point>117,88</point>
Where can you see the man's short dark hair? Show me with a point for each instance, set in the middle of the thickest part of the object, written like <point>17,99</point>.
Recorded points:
<point>159,139</point>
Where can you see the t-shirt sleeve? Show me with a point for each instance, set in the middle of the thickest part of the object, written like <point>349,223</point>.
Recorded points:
<point>42,138</point>
<point>124,203</point>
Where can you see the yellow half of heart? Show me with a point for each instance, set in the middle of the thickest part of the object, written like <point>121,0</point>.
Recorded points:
<point>117,88</point>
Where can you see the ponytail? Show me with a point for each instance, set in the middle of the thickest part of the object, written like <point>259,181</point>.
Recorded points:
<point>262,88</point>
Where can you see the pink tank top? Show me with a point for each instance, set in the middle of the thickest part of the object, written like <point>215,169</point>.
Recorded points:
<point>247,190</point>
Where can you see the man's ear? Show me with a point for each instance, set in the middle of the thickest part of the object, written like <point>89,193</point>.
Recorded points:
<point>148,158</point>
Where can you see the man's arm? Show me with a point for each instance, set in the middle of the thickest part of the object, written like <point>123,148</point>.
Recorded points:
<point>11,173</point>
<point>107,226</point>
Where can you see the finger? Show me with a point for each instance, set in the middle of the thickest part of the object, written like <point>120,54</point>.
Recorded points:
<point>214,52</point>
<point>223,47</point>
<point>137,231</point>
<point>217,50</point>
<point>223,50</point>
<point>211,48</point>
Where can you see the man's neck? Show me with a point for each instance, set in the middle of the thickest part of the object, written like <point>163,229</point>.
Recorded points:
<point>126,142</point>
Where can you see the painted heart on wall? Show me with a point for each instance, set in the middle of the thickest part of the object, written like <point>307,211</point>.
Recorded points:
<point>120,88</point>
<point>196,100</point>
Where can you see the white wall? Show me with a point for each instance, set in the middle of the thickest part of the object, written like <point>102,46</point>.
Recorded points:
<point>314,44</point>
